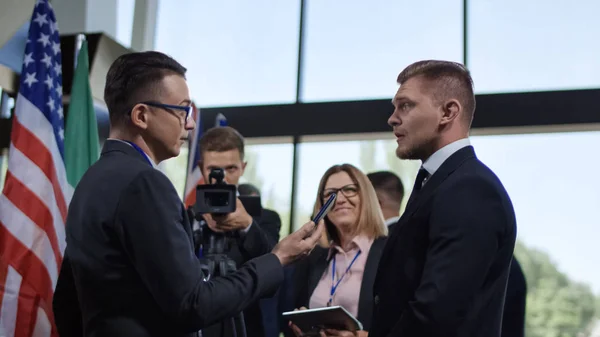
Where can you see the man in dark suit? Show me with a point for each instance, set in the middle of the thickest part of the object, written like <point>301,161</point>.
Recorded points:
<point>269,220</point>
<point>390,192</point>
<point>269,307</point>
<point>513,319</point>
<point>129,254</point>
<point>223,148</point>
<point>445,266</point>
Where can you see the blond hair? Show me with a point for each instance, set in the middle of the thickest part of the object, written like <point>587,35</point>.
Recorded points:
<point>370,218</point>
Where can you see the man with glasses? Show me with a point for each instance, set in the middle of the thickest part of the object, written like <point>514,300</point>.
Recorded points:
<point>129,268</point>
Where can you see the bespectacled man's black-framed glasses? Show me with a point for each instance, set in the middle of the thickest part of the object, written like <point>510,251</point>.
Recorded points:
<point>169,108</point>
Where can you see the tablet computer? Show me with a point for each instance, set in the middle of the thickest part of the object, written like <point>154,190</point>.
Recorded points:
<point>310,321</point>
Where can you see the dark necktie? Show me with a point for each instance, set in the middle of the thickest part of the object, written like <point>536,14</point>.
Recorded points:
<point>421,176</point>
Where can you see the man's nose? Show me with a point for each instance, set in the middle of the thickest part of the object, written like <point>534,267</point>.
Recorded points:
<point>190,124</point>
<point>393,121</point>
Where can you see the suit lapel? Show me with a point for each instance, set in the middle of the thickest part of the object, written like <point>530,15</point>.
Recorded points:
<point>365,301</point>
<point>317,269</point>
<point>448,167</point>
<point>187,225</point>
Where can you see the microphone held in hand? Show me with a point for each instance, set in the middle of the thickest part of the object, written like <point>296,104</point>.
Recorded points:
<point>300,243</point>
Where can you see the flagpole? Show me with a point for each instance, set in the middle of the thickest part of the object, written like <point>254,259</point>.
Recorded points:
<point>79,42</point>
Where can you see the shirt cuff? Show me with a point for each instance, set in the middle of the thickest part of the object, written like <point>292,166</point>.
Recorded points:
<point>245,230</point>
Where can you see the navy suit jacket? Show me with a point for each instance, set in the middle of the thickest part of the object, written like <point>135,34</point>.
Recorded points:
<point>513,319</point>
<point>445,266</point>
<point>130,267</point>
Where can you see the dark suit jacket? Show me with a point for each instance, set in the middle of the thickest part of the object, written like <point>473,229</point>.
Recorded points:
<point>130,248</point>
<point>260,239</point>
<point>445,266</point>
<point>270,222</point>
<point>513,320</point>
<point>310,270</point>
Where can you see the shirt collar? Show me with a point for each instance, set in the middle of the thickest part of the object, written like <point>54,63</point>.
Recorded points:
<point>361,242</point>
<point>392,220</point>
<point>436,160</point>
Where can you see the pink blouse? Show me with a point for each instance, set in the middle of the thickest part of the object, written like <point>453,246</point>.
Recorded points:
<point>347,291</point>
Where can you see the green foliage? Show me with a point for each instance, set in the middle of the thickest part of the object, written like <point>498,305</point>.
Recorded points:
<point>556,305</point>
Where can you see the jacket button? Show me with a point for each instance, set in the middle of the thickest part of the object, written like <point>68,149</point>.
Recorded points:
<point>376,299</point>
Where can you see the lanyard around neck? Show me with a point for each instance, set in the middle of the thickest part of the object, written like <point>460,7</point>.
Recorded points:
<point>334,285</point>
<point>138,149</point>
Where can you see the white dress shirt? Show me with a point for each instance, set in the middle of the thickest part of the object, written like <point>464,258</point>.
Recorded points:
<point>433,163</point>
<point>392,220</point>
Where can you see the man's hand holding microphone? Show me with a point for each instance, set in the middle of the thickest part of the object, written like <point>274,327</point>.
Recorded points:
<point>300,243</point>
<point>292,247</point>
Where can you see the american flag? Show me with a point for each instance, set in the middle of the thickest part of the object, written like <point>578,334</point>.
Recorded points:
<point>36,194</point>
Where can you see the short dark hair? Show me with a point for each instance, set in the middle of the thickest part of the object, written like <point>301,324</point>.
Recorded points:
<point>452,80</point>
<point>388,183</point>
<point>248,189</point>
<point>221,139</point>
<point>133,78</point>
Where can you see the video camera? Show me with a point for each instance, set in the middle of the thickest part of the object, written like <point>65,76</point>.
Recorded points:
<point>220,197</point>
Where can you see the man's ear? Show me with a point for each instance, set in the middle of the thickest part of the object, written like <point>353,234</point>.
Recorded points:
<point>139,116</point>
<point>244,167</point>
<point>450,111</point>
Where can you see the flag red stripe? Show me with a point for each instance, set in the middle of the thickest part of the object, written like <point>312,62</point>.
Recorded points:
<point>190,198</point>
<point>3,275</point>
<point>32,270</point>
<point>39,154</point>
<point>34,208</point>
<point>27,314</point>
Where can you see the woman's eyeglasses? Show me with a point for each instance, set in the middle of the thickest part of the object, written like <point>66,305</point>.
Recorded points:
<point>348,191</point>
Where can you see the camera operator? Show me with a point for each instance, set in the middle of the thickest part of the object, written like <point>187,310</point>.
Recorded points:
<point>223,148</point>
<point>129,268</point>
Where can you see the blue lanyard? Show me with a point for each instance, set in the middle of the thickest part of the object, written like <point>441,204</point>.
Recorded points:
<point>334,287</point>
<point>138,149</point>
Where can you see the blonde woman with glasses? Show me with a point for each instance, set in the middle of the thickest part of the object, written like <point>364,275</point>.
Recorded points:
<point>342,271</point>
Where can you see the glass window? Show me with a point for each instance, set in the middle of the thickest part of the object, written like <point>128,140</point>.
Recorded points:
<point>356,50</point>
<point>237,52</point>
<point>270,168</point>
<point>125,12</point>
<point>554,186</point>
<point>554,189</point>
<point>314,158</point>
<point>533,45</point>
